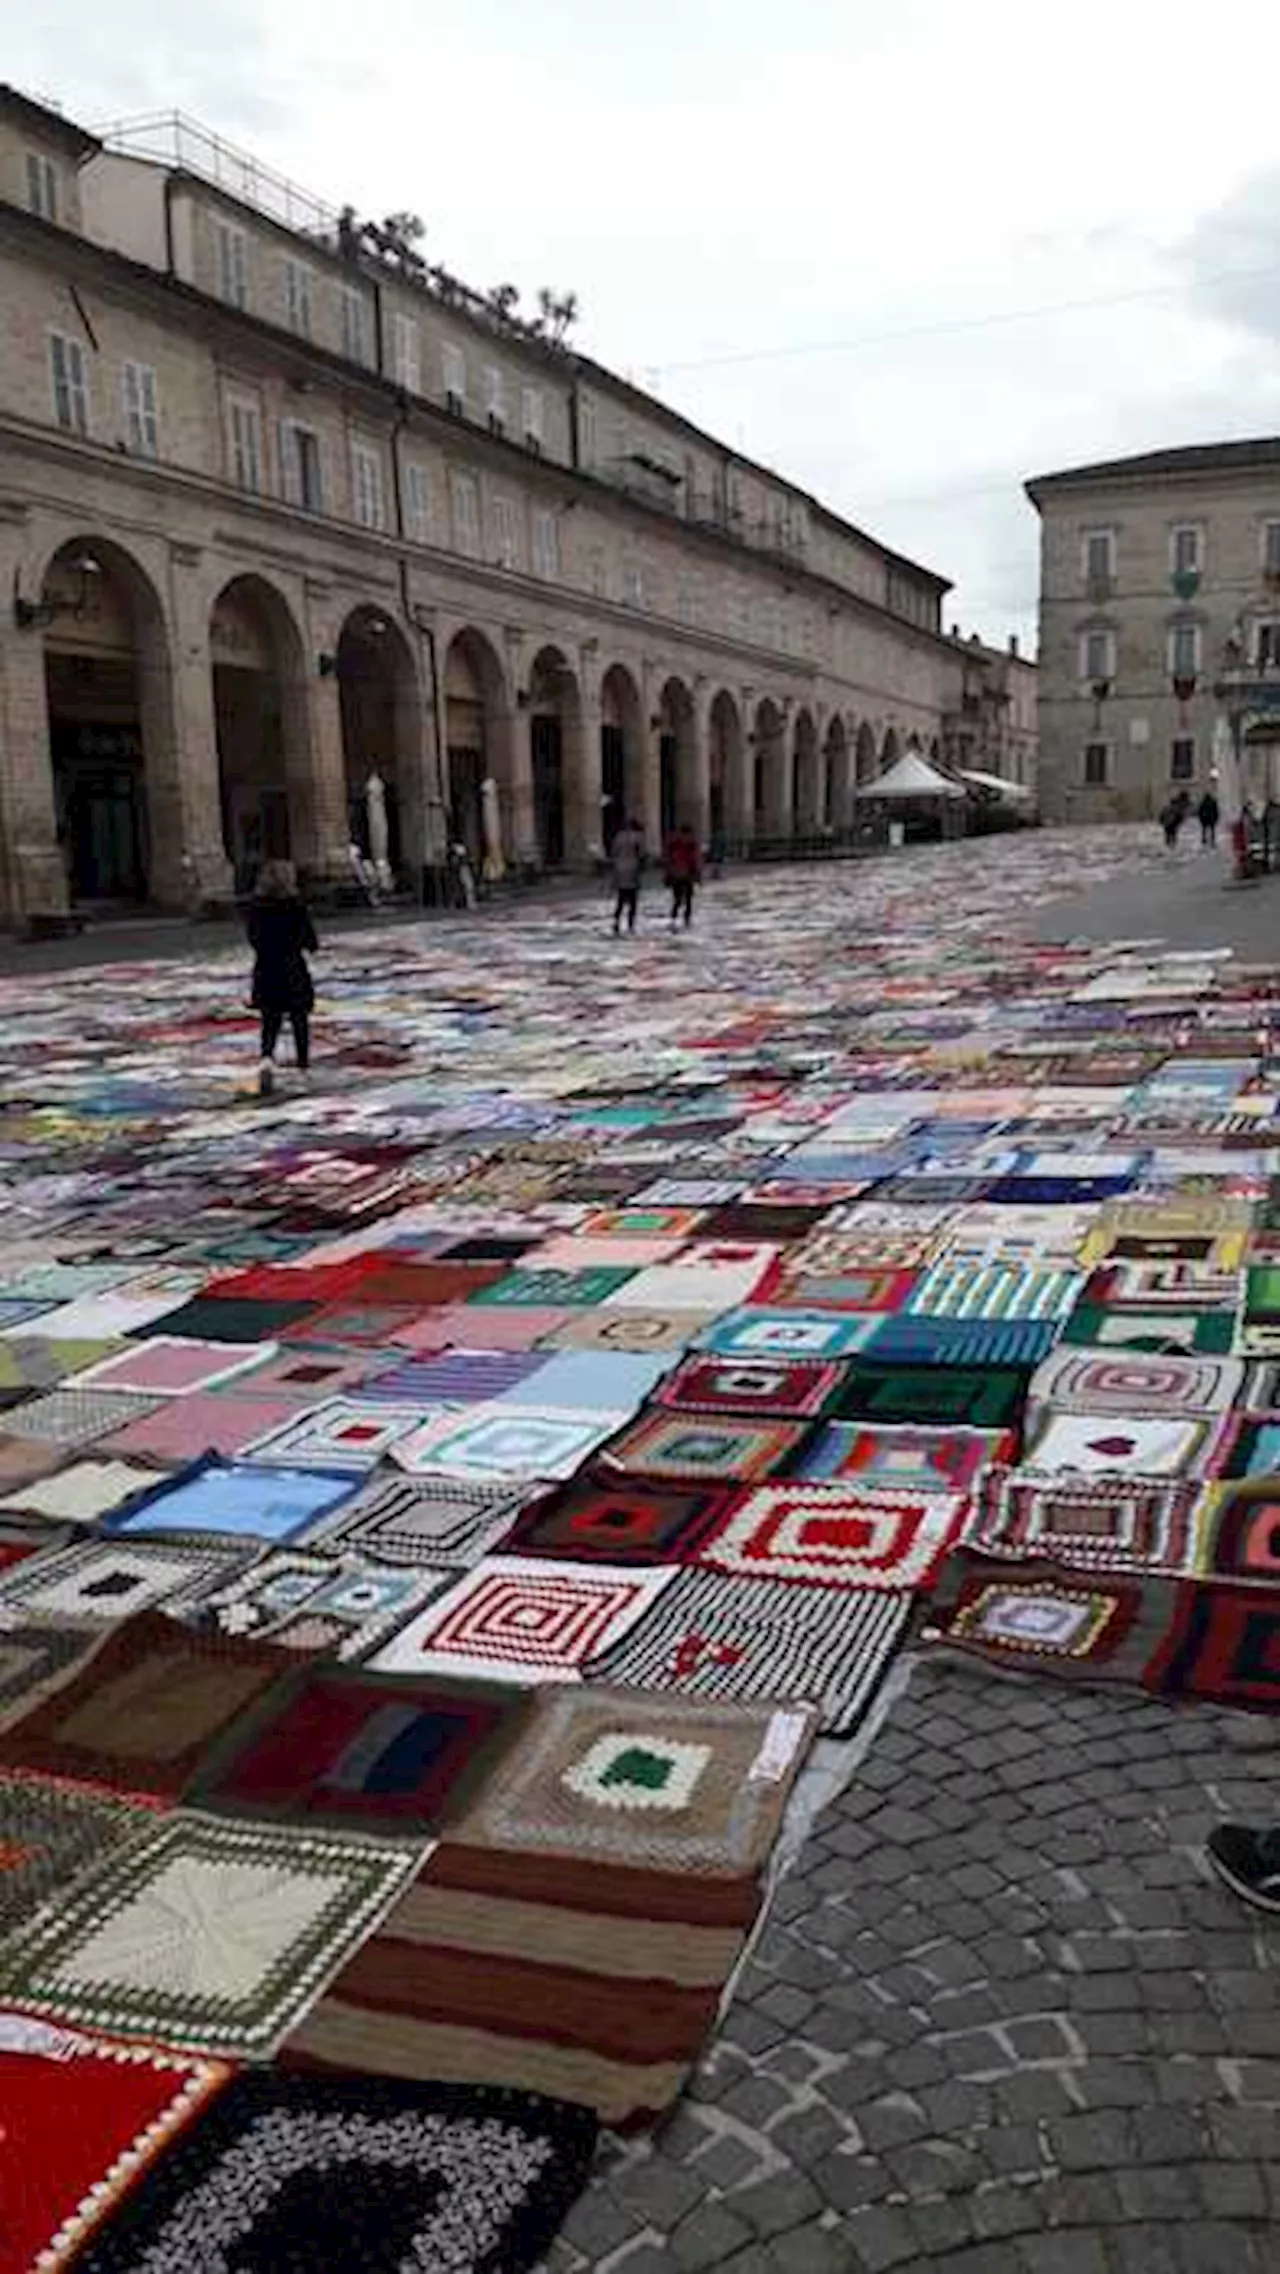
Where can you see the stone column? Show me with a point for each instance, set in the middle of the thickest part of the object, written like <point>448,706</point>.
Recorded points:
<point>781,775</point>
<point>315,756</point>
<point>697,796</point>
<point>35,873</point>
<point>582,817</point>
<point>650,815</point>
<point>189,857</point>
<point>524,835</point>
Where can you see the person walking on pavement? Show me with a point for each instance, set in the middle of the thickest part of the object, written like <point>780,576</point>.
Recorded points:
<point>627,856</point>
<point>1173,816</point>
<point>1207,814</point>
<point>684,872</point>
<point>282,936</point>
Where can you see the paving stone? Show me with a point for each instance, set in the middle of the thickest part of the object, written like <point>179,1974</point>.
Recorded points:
<point>1209,2247</point>
<point>942,2226</point>
<point>812,2250</point>
<point>806,2138</point>
<point>774,2205</point>
<point>892,2122</point>
<point>1090,2143</point>
<point>598,2224</point>
<point>880,2239</point>
<point>728,2164</point>
<point>1082,2199</point>
<point>755,2100</point>
<point>1232,2190</point>
<point>1073,2253</point>
<point>660,2193</point>
<point>850,2182</point>
<point>708,2237</point>
<point>1006,2210</point>
<point>1158,2191</point>
<point>1032,2093</point>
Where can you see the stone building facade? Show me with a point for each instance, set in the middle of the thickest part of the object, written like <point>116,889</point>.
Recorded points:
<point>279,510</point>
<point>995,727</point>
<point>1160,582</point>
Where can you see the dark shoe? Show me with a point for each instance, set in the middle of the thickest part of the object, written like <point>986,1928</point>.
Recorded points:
<point>1248,1862</point>
<point>266,1078</point>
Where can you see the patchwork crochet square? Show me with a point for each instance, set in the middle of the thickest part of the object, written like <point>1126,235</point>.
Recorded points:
<point>311,1603</point>
<point>237,1500</point>
<point>828,1535</point>
<point>704,1446</point>
<point>912,1339</point>
<point>1113,1524</point>
<point>351,1433</point>
<point>419,1522</point>
<point>502,1443</point>
<point>621,1521</point>
<point>788,1334</point>
<point>360,1753</point>
<point>1099,1444</point>
<point>81,1492</point>
<point>1160,1332</point>
<point>1223,1643</point>
<point>49,1831</point>
<point>172,1366</point>
<point>780,1388</point>
<point>552,1289</point>
<point>710,1636</point>
<point>1047,1621</point>
<point>1241,1527</point>
<point>36,1657</point>
<point>638,1331</point>
<point>901,1459</point>
<point>656,1783</point>
<point>71,1417</point>
<point>977,1397</point>
<point>1132,1384</point>
<point>96,1580</point>
<point>139,1711</point>
<point>530,1621</point>
<point>408,2175</point>
<point>964,1288</point>
<point>83,2120</point>
<point>203,1934</point>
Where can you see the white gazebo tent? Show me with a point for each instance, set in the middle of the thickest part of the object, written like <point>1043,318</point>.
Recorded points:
<point>997,786</point>
<point>912,776</point>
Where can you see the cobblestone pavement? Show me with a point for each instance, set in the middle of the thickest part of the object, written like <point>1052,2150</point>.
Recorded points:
<point>1001,2020</point>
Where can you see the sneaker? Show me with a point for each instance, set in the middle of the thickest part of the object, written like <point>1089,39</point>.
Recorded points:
<point>266,1077</point>
<point>1248,1862</point>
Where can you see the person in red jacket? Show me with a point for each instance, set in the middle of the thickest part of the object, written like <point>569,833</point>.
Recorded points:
<point>684,871</point>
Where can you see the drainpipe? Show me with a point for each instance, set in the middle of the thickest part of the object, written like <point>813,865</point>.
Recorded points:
<point>431,877</point>
<point>168,225</point>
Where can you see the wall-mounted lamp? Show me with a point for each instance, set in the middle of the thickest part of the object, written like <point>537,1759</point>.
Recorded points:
<point>327,665</point>
<point>28,614</point>
<point>522,698</point>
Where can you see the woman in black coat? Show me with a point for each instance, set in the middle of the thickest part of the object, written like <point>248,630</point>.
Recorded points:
<point>282,936</point>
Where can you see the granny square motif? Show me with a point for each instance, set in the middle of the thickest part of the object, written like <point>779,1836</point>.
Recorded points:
<point>902,1459</point>
<point>624,1520</point>
<point>246,1500</point>
<point>835,1536</point>
<point>1133,1383</point>
<point>502,1442</point>
<point>523,1620</point>
<point>704,1446</point>
<point>788,1334</point>
<point>342,1433</point>
<point>172,1366</point>
<point>209,1935</point>
<point>1109,1523</point>
<point>783,1388</point>
<point>110,1579</point>
<point>419,1522</point>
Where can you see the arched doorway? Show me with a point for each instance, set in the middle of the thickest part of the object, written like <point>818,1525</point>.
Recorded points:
<point>109,695</point>
<point>677,793</point>
<point>555,726</point>
<point>260,715</point>
<point>768,782</point>
<point>477,714</point>
<point>864,757</point>
<point>888,750</point>
<point>621,752</point>
<point>381,710</point>
<point>727,815</point>
<point>836,784</point>
<point>807,797</point>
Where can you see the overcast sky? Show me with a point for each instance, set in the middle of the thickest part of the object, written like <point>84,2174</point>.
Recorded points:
<point>907,251</point>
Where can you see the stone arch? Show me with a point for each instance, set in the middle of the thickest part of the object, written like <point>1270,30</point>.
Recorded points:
<point>806,798</point>
<point>477,734</point>
<point>888,749</point>
<point>728,808</point>
<point>380,700</point>
<point>561,827</point>
<point>769,782</point>
<point>913,743</point>
<point>108,687</point>
<point>677,756</point>
<point>622,749</point>
<point>865,764</point>
<point>260,691</point>
<point>935,752</point>
<point>837,786</point>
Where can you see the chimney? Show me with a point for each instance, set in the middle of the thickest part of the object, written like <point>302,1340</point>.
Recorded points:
<point>955,631</point>
<point>1013,644</point>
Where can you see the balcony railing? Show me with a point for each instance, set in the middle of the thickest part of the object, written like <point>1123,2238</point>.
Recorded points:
<point>170,138</point>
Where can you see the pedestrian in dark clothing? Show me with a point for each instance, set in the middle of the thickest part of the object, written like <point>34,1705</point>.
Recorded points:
<point>1173,816</point>
<point>627,856</point>
<point>282,936</point>
<point>684,871</point>
<point>1207,813</point>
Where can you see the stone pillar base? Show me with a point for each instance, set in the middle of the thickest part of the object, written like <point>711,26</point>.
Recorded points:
<point>39,887</point>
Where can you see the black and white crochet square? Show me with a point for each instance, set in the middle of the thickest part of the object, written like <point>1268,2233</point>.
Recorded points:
<point>289,2171</point>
